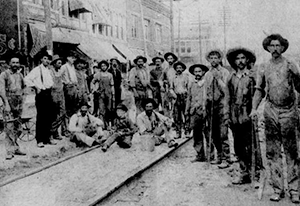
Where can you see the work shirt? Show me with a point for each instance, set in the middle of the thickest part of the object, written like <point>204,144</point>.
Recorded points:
<point>240,89</point>
<point>219,89</point>
<point>78,123</point>
<point>180,83</point>
<point>144,122</point>
<point>124,125</point>
<point>39,77</point>
<point>57,79</point>
<point>81,81</point>
<point>139,78</point>
<point>279,78</point>
<point>195,99</point>
<point>69,74</point>
<point>103,82</point>
<point>11,83</point>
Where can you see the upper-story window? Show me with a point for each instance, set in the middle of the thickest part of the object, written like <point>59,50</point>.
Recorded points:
<point>158,33</point>
<point>134,26</point>
<point>63,8</point>
<point>100,28</point>
<point>147,29</point>
<point>38,2</point>
<point>182,47</point>
<point>188,45</point>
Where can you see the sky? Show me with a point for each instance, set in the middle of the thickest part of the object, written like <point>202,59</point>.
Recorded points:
<point>249,21</point>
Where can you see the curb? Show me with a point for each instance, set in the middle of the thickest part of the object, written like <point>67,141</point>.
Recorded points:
<point>32,172</point>
<point>135,173</point>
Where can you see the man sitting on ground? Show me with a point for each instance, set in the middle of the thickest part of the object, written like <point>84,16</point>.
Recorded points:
<point>154,123</point>
<point>85,128</point>
<point>123,130</point>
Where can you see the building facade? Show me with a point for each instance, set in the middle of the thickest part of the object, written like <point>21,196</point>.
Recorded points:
<point>155,35</point>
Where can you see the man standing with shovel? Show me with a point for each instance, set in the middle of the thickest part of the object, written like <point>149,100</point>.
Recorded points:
<point>279,76</point>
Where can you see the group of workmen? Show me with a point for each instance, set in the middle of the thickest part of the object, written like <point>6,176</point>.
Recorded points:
<point>204,102</point>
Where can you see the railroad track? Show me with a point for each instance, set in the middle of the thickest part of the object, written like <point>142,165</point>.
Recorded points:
<point>137,173</point>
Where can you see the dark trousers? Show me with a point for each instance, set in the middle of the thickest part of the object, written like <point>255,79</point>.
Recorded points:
<point>44,117</point>
<point>179,109</point>
<point>124,141</point>
<point>219,132</point>
<point>59,112</point>
<point>199,133</point>
<point>242,134</point>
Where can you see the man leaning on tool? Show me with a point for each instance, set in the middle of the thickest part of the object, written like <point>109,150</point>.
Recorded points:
<point>240,90</point>
<point>278,76</point>
<point>215,83</point>
<point>11,92</point>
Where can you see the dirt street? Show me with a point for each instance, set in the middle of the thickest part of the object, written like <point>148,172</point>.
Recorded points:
<point>176,181</point>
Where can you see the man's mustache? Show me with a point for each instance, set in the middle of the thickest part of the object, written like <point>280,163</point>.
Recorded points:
<point>275,52</point>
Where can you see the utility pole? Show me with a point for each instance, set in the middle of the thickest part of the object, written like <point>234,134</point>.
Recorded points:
<point>19,25</point>
<point>179,20</point>
<point>200,43</point>
<point>48,25</point>
<point>143,28</point>
<point>172,26</point>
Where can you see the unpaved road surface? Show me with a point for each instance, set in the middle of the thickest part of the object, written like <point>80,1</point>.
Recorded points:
<point>178,182</point>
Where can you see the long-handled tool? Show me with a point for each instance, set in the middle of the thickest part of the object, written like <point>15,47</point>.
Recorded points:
<point>208,150</point>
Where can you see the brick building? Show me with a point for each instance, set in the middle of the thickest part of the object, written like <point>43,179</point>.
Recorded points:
<point>156,20</point>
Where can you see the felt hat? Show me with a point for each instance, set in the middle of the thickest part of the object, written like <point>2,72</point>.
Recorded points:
<point>232,53</point>
<point>203,68</point>
<point>158,57</point>
<point>149,100</point>
<point>103,62</point>
<point>284,42</point>
<point>115,58</point>
<point>214,51</point>
<point>55,58</point>
<point>45,54</point>
<point>122,107</point>
<point>179,63</point>
<point>140,57</point>
<point>172,54</point>
<point>79,61</point>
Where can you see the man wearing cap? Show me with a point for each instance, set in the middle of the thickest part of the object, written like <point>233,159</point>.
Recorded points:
<point>215,83</point>
<point>279,77</point>
<point>58,98</point>
<point>153,123</point>
<point>115,70</point>
<point>123,130</point>
<point>139,78</point>
<point>156,80</point>
<point>178,89</point>
<point>85,128</point>
<point>41,80</point>
<point>196,113</point>
<point>11,91</point>
<point>70,84</point>
<point>239,93</point>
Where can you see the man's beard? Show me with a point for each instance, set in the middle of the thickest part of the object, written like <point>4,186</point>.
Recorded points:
<point>198,77</point>
<point>114,66</point>
<point>14,68</point>
<point>170,63</point>
<point>241,66</point>
<point>149,112</point>
<point>140,65</point>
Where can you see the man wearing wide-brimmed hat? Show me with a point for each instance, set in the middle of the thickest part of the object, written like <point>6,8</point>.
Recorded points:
<point>196,113</point>
<point>156,80</point>
<point>178,89</point>
<point>154,124</point>
<point>168,76</point>
<point>41,80</point>
<point>139,78</point>
<point>115,70</point>
<point>58,98</point>
<point>82,86</point>
<point>239,94</point>
<point>215,83</point>
<point>279,75</point>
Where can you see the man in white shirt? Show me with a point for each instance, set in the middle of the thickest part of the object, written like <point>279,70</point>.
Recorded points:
<point>41,80</point>
<point>86,128</point>
<point>155,124</point>
<point>70,85</point>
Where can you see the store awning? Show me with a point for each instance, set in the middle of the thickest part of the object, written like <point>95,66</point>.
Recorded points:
<point>98,49</point>
<point>38,34</point>
<point>124,51</point>
<point>80,6</point>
